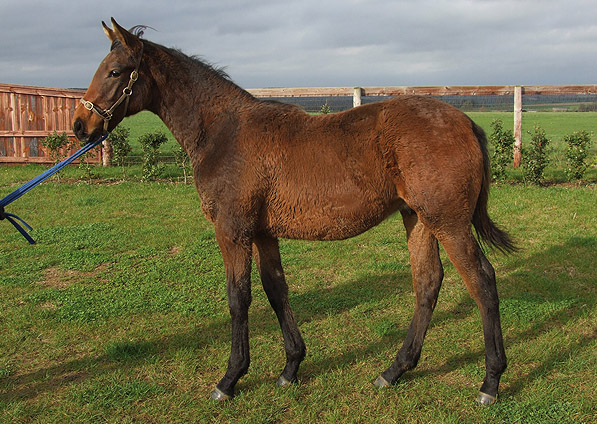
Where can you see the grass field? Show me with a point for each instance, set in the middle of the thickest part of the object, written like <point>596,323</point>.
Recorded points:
<point>119,314</point>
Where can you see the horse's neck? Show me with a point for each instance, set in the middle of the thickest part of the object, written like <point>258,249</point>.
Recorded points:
<point>192,99</point>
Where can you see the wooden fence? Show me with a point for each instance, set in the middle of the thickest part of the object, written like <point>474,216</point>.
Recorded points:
<point>28,114</point>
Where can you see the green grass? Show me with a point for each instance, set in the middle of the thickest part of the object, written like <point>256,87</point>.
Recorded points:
<point>118,314</point>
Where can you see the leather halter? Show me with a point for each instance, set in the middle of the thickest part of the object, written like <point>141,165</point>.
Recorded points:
<point>107,114</point>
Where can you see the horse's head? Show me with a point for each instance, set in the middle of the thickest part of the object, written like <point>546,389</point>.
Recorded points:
<point>110,96</point>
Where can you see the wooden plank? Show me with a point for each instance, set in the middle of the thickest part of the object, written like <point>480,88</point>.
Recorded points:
<point>13,100</point>
<point>302,92</point>
<point>560,89</point>
<point>42,91</point>
<point>383,91</point>
<point>36,133</point>
<point>439,91</point>
<point>462,90</point>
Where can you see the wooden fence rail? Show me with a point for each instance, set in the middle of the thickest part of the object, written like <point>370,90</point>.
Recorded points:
<point>28,114</point>
<point>468,90</point>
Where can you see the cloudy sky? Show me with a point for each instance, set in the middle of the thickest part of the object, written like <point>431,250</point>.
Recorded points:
<point>308,43</point>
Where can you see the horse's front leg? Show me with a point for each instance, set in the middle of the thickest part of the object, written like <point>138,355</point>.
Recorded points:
<point>237,261</point>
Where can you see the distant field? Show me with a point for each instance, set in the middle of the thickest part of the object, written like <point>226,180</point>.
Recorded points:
<point>555,124</point>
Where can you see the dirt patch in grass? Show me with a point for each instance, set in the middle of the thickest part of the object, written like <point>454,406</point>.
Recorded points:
<point>59,278</point>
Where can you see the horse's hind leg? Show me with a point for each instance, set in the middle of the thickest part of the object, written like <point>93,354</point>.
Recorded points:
<point>237,261</point>
<point>267,257</point>
<point>427,274</point>
<point>479,277</point>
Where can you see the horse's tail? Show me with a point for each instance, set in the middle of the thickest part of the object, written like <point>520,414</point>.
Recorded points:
<point>486,229</point>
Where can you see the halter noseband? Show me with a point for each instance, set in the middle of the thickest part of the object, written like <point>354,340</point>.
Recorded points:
<point>107,115</point>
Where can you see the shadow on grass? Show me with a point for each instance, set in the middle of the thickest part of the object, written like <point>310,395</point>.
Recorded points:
<point>534,311</point>
<point>318,305</point>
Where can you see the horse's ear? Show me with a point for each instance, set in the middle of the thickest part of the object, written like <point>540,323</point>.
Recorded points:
<point>109,32</point>
<point>119,33</point>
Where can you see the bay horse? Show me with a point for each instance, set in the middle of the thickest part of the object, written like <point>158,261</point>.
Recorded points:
<point>266,170</point>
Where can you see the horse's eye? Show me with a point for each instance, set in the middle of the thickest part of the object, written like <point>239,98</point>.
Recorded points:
<point>114,73</point>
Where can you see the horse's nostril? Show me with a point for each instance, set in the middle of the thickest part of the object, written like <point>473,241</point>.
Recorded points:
<point>78,129</point>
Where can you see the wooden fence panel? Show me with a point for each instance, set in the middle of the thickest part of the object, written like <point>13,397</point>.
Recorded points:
<point>29,114</point>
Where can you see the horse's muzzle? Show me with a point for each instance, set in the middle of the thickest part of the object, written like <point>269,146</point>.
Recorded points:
<point>80,130</point>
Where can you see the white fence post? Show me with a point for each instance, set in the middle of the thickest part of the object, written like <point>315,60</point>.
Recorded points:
<point>517,126</point>
<point>356,96</point>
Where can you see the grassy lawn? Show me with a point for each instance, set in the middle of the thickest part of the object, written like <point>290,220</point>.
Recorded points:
<point>118,314</point>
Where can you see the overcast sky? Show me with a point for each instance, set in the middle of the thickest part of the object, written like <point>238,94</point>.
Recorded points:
<point>308,43</point>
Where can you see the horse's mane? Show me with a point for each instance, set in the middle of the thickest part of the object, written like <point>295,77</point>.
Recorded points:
<point>139,30</point>
<point>196,60</point>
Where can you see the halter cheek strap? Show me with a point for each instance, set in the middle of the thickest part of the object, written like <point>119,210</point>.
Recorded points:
<point>107,115</point>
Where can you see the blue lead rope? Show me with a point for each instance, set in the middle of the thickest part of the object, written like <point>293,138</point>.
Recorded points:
<point>13,219</point>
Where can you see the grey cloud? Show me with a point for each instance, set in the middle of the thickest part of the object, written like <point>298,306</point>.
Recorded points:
<point>313,43</point>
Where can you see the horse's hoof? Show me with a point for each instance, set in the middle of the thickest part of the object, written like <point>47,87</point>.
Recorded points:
<point>219,396</point>
<point>485,399</point>
<point>381,382</point>
<point>283,382</point>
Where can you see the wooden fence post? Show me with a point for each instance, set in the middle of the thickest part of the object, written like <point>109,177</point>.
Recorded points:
<point>517,126</point>
<point>106,153</point>
<point>356,96</point>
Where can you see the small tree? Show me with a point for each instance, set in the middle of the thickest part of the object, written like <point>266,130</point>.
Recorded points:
<point>325,109</point>
<point>183,161</point>
<point>120,146</point>
<point>151,143</point>
<point>503,142</point>
<point>576,154</point>
<point>87,167</point>
<point>57,144</point>
<point>535,156</point>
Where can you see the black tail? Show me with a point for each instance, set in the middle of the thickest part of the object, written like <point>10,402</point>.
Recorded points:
<point>486,229</point>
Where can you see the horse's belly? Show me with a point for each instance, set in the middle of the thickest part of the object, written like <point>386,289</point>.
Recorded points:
<point>334,219</point>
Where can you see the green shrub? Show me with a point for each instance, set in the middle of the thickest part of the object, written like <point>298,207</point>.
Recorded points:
<point>151,143</point>
<point>325,109</point>
<point>119,140</point>
<point>578,149</point>
<point>57,144</point>
<point>503,142</point>
<point>535,156</point>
